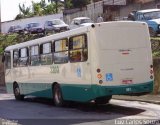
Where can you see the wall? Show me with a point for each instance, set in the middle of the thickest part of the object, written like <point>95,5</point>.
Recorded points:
<point>125,10</point>
<point>41,19</point>
<point>92,11</point>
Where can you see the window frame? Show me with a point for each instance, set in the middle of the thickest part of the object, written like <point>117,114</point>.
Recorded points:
<point>27,56</point>
<point>17,64</point>
<point>83,48</point>
<point>6,59</point>
<point>60,51</point>
<point>30,56</point>
<point>43,54</point>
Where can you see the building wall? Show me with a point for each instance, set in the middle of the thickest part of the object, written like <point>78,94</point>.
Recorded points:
<point>41,19</point>
<point>92,11</point>
<point>125,10</point>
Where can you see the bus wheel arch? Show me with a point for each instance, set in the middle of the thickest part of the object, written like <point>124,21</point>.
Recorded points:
<point>16,91</point>
<point>57,95</point>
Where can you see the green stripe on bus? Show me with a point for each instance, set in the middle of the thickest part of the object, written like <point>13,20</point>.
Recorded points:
<point>81,93</point>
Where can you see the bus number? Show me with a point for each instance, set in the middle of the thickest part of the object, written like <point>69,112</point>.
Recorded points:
<point>54,69</point>
<point>128,89</point>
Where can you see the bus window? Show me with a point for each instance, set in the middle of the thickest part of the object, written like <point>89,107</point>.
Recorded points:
<point>78,48</point>
<point>15,58</point>
<point>46,54</point>
<point>34,55</point>
<point>61,51</point>
<point>23,57</point>
<point>7,60</point>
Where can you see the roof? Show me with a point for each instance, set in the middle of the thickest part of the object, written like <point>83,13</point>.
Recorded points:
<point>148,10</point>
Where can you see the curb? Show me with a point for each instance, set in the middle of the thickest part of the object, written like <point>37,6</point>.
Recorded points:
<point>141,100</point>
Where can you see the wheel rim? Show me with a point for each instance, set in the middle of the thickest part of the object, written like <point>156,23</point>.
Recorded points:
<point>16,91</point>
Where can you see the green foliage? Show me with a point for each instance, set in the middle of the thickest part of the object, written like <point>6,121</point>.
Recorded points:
<point>25,11</point>
<point>155,42</point>
<point>80,3</point>
<point>68,4</point>
<point>7,40</point>
<point>50,9</point>
<point>39,9</point>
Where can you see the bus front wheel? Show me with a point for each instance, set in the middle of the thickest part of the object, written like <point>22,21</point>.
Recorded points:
<point>102,100</point>
<point>57,96</point>
<point>17,93</point>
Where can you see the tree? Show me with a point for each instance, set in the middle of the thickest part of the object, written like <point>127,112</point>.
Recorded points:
<point>19,16</point>
<point>57,2</point>
<point>50,9</point>
<point>37,10</point>
<point>25,11</point>
<point>80,3</point>
<point>68,4</point>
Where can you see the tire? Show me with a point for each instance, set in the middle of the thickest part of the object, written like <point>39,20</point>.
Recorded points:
<point>57,96</point>
<point>152,32</point>
<point>17,93</point>
<point>102,100</point>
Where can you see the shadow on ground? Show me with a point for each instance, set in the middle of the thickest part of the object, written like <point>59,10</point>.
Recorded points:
<point>59,115</point>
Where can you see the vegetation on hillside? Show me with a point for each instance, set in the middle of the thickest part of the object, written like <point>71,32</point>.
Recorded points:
<point>39,9</point>
<point>7,40</point>
<point>52,7</point>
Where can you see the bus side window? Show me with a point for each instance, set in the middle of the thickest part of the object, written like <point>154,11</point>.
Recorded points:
<point>34,55</point>
<point>61,51</point>
<point>78,50</point>
<point>7,60</point>
<point>23,57</point>
<point>46,53</point>
<point>15,58</point>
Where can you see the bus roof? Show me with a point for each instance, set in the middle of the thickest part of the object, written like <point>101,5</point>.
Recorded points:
<point>66,34</point>
<point>48,38</point>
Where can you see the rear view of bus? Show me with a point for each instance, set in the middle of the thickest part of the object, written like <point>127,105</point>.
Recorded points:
<point>125,60</point>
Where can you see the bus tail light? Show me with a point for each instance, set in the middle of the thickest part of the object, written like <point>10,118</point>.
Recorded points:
<point>151,72</point>
<point>99,76</point>
<point>98,70</point>
<point>100,81</point>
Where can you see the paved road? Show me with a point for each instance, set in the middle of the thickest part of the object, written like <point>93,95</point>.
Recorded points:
<point>35,111</point>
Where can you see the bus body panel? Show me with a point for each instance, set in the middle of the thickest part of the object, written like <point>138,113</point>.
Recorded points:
<point>124,53</point>
<point>121,50</point>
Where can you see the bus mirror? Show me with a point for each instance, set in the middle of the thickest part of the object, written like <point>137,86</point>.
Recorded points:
<point>3,58</point>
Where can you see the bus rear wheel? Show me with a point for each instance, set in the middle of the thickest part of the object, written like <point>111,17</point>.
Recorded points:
<point>17,93</point>
<point>57,96</point>
<point>102,100</point>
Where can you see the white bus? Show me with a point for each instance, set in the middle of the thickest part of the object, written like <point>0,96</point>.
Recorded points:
<point>84,64</point>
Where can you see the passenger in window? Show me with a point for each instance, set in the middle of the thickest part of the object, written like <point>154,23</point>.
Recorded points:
<point>77,57</point>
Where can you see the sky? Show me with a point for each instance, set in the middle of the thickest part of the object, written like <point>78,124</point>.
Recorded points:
<point>9,8</point>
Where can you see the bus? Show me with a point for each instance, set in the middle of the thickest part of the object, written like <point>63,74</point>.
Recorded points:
<point>89,63</point>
